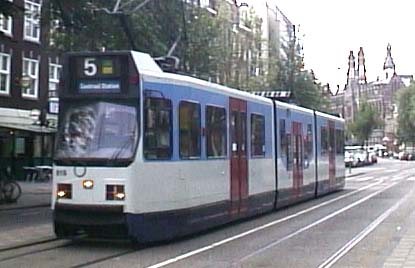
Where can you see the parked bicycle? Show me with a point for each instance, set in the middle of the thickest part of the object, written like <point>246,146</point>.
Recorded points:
<point>10,190</point>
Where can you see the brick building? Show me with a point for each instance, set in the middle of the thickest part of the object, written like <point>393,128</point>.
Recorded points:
<point>29,77</point>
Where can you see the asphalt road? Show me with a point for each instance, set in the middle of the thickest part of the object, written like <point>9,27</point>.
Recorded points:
<point>357,227</point>
<point>21,218</point>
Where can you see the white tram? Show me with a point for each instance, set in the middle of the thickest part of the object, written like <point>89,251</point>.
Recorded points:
<point>153,155</point>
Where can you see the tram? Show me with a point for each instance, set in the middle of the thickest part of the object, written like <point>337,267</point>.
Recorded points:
<point>152,155</point>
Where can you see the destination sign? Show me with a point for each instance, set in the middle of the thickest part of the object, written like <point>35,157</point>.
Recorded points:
<point>98,74</point>
<point>98,67</point>
<point>99,86</point>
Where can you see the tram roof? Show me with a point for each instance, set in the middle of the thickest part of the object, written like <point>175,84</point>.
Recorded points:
<point>145,63</point>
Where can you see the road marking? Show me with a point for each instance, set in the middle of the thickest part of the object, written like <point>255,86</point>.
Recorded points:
<point>326,218</point>
<point>365,179</point>
<point>370,228</point>
<point>354,178</point>
<point>411,179</point>
<point>262,227</point>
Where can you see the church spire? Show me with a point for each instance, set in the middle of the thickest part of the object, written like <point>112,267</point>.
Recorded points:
<point>389,65</point>
<point>361,67</point>
<point>352,69</point>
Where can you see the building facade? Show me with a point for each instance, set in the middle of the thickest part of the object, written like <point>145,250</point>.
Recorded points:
<point>29,77</point>
<point>379,94</point>
<point>258,34</point>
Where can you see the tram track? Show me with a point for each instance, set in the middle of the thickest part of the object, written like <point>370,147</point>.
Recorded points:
<point>19,251</point>
<point>30,244</point>
<point>378,182</point>
<point>33,252</point>
<point>104,259</point>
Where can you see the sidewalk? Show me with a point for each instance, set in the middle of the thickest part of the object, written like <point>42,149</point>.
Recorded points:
<point>34,194</point>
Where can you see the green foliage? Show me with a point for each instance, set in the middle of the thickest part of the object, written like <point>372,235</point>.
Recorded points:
<point>288,74</point>
<point>406,110</point>
<point>365,122</point>
<point>307,93</point>
<point>209,47</point>
<point>85,25</point>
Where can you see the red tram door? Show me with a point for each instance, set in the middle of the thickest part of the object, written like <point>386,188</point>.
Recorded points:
<point>298,158</point>
<point>332,154</point>
<point>239,156</point>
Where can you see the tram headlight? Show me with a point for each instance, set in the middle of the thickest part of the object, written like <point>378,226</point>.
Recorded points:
<point>115,192</point>
<point>88,184</point>
<point>64,191</point>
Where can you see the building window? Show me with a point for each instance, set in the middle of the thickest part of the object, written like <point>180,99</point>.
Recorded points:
<point>31,70</point>
<point>54,70</point>
<point>257,135</point>
<point>205,3</point>
<point>6,24</point>
<point>215,131</point>
<point>32,20</point>
<point>4,73</point>
<point>189,127</point>
<point>158,128</point>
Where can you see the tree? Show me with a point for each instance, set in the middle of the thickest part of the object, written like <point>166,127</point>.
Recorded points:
<point>210,47</point>
<point>289,75</point>
<point>406,111</point>
<point>308,93</point>
<point>365,122</point>
<point>8,8</point>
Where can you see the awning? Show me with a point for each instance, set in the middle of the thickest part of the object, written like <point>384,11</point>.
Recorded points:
<point>31,128</point>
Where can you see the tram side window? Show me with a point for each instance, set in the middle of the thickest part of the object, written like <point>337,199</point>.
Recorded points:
<point>215,131</point>
<point>324,141</point>
<point>339,141</point>
<point>332,141</point>
<point>157,128</point>
<point>189,127</point>
<point>285,145</point>
<point>308,156</point>
<point>283,141</point>
<point>257,135</point>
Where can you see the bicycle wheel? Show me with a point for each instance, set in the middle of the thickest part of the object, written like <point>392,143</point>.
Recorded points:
<point>11,191</point>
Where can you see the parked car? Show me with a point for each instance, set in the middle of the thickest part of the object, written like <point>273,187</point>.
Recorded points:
<point>405,155</point>
<point>355,156</point>
<point>402,155</point>
<point>349,159</point>
<point>372,155</point>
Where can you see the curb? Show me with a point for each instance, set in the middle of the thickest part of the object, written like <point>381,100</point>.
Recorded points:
<point>354,175</point>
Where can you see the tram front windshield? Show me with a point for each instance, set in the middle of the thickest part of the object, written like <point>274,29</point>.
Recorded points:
<point>97,131</point>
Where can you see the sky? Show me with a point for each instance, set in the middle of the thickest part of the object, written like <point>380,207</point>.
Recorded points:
<point>332,29</point>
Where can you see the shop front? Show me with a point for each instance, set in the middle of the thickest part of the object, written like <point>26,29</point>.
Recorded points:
<point>24,145</point>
